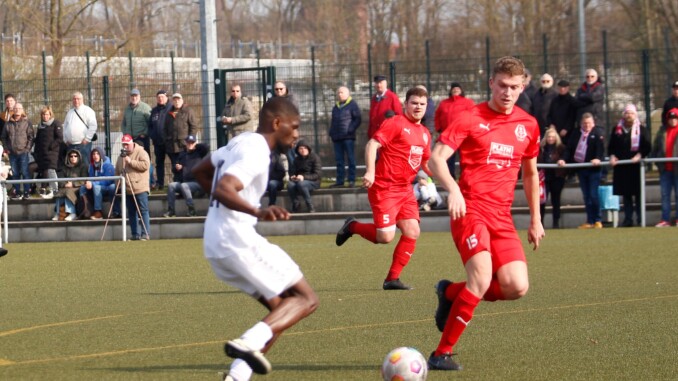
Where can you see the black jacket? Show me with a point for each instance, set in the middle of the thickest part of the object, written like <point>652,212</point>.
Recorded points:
<point>563,112</point>
<point>346,119</point>
<point>595,148</point>
<point>590,99</point>
<point>189,159</point>
<point>48,140</point>
<point>308,166</point>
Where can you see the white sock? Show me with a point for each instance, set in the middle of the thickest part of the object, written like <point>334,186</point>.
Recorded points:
<point>240,371</point>
<point>257,336</point>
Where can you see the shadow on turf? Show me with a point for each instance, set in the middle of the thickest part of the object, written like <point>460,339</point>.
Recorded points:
<point>222,367</point>
<point>192,293</point>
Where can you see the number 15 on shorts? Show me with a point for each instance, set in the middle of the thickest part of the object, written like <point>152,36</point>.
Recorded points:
<point>472,241</point>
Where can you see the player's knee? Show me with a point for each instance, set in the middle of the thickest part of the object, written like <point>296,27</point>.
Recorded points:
<point>311,303</point>
<point>516,290</point>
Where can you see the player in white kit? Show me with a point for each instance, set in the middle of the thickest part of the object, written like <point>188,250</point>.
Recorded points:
<point>236,177</point>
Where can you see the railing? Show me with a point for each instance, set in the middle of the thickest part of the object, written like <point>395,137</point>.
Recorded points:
<point>123,190</point>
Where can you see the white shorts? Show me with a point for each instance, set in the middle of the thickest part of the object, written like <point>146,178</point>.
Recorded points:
<point>261,269</point>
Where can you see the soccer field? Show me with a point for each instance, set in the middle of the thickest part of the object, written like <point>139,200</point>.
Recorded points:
<point>603,305</point>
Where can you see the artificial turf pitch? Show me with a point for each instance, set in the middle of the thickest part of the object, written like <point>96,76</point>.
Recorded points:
<point>603,305</point>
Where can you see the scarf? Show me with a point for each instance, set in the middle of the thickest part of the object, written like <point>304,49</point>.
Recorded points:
<point>48,123</point>
<point>580,153</point>
<point>635,133</point>
<point>348,100</point>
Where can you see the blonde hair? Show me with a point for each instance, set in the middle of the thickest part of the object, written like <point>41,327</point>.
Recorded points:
<point>551,130</point>
<point>45,109</point>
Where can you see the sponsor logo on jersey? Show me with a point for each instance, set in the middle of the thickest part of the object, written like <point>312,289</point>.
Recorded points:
<point>406,130</point>
<point>484,126</point>
<point>416,152</point>
<point>500,155</point>
<point>521,133</point>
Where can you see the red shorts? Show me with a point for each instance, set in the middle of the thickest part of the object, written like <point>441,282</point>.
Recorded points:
<point>490,231</point>
<point>389,206</point>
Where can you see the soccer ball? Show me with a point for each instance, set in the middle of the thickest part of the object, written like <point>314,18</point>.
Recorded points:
<point>404,364</point>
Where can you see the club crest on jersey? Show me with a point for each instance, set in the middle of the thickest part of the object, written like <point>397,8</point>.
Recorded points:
<point>416,152</point>
<point>521,133</point>
<point>500,155</point>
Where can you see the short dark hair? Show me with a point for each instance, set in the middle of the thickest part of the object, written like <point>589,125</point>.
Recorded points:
<point>417,91</point>
<point>9,95</point>
<point>276,106</point>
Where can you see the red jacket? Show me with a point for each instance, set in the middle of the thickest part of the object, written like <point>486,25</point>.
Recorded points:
<point>378,110</point>
<point>449,108</point>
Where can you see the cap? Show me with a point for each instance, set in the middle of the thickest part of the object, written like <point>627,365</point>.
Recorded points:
<point>126,139</point>
<point>675,84</point>
<point>563,83</point>
<point>161,92</point>
<point>177,95</point>
<point>135,92</point>
<point>455,84</point>
<point>630,107</point>
<point>673,113</point>
<point>191,139</point>
<point>379,78</point>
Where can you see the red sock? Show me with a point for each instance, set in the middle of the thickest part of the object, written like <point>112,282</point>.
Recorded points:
<point>494,292</point>
<point>460,316</point>
<point>453,290</point>
<point>401,256</point>
<point>365,230</point>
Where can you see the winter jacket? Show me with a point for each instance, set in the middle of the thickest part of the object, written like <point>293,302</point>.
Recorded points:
<point>48,140</point>
<point>626,177</point>
<point>346,120</point>
<point>156,123</point>
<point>179,124</point>
<point>135,120</point>
<point>74,128</point>
<point>18,136</point>
<point>137,170</point>
<point>378,109</point>
<point>78,169</point>
<point>563,113</point>
<point>240,110</point>
<point>590,99</point>
<point>659,149</point>
<point>103,168</point>
<point>189,159</point>
<point>309,166</point>
<point>449,109</point>
<point>541,105</point>
<point>595,148</point>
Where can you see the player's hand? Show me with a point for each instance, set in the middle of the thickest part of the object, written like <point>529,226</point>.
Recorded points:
<point>368,180</point>
<point>272,213</point>
<point>535,233</point>
<point>456,205</point>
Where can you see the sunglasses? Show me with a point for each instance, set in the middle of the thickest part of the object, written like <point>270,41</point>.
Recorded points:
<point>279,88</point>
<point>546,81</point>
<point>72,155</point>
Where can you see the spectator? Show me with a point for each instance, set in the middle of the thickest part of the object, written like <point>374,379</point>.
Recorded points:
<point>237,114</point>
<point>541,102</point>
<point>17,140</point>
<point>525,100</point>
<point>179,123</point>
<point>425,192</point>
<point>429,115</point>
<point>68,193</point>
<point>4,172</point>
<point>552,150</point>
<point>563,111</point>
<point>587,145</point>
<point>134,165</point>
<point>192,155</point>
<point>590,97</point>
<point>80,126</point>
<point>447,111</point>
<point>136,118</point>
<point>346,119</point>
<point>671,102</point>
<point>48,141</point>
<point>10,101</point>
<point>278,175</point>
<point>280,89</point>
<point>383,101</point>
<point>306,176</point>
<point>629,141</point>
<point>155,130</point>
<point>100,165</point>
<point>666,146</point>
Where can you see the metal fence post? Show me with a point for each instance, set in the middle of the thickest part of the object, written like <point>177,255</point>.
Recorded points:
<point>2,90</point>
<point>369,68</point>
<point>131,71</point>
<point>315,101</point>
<point>607,83</point>
<point>487,66</point>
<point>392,76</point>
<point>89,81</point>
<point>428,68</point>
<point>545,54</point>
<point>44,78</point>
<point>646,89</point>
<point>174,73</point>
<point>107,115</point>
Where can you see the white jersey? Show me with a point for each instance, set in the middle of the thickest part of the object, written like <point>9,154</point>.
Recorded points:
<point>247,157</point>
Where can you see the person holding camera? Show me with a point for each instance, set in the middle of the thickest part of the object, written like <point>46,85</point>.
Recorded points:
<point>134,163</point>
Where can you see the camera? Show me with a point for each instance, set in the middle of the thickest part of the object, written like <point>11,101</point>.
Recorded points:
<point>123,153</point>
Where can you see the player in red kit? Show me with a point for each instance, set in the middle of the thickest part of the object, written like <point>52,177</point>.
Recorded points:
<point>403,144</point>
<point>495,140</point>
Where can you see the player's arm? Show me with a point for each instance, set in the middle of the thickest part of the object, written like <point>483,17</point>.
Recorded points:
<point>531,184</point>
<point>456,205</point>
<point>370,162</point>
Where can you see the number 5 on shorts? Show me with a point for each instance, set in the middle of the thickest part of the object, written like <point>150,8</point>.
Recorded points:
<point>386,219</point>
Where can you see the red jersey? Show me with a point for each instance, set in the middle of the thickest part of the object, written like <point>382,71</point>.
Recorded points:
<point>404,147</point>
<point>492,146</point>
<point>378,109</point>
<point>449,109</point>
